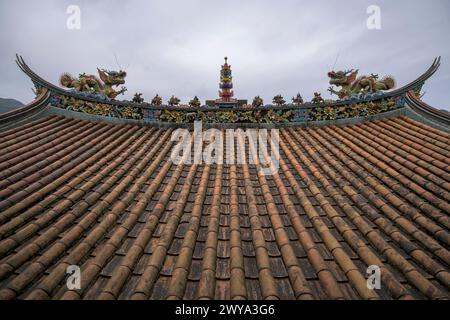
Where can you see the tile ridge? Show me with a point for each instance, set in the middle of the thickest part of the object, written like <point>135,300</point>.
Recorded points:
<point>40,242</point>
<point>94,265</point>
<point>177,284</point>
<point>266,279</point>
<point>411,211</point>
<point>63,244</point>
<point>378,242</point>
<point>49,283</point>
<point>26,128</point>
<point>397,172</point>
<point>21,165</point>
<point>42,186</point>
<point>238,289</point>
<point>420,159</point>
<point>442,137</point>
<point>115,284</point>
<point>343,260</point>
<point>395,128</point>
<point>382,204</point>
<point>383,223</point>
<point>297,278</point>
<point>206,287</point>
<point>22,139</point>
<point>427,128</point>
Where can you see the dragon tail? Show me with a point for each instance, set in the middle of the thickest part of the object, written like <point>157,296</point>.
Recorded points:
<point>389,81</point>
<point>66,79</point>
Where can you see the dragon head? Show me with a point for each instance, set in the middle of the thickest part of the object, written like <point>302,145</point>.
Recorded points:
<point>113,78</point>
<point>340,78</point>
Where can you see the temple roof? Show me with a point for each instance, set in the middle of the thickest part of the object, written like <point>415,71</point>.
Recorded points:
<point>362,186</point>
<point>106,197</point>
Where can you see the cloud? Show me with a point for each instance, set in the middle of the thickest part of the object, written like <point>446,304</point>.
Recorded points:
<point>176,47</point>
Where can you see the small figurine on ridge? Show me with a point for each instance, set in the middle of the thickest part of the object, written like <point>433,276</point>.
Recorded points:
<point>297,100</point>
<point>278,100</point>
<point>138,98</point>
<point>257,101</point>
<point>195,103</point>
<point>317,98</point>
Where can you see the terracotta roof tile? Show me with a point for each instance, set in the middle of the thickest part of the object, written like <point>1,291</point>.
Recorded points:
<point>107,198</point>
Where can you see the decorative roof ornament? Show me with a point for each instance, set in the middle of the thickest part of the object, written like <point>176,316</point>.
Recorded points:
<point>173,101</point>
<point>297,100</point>
<point>278,100</point>
<point>352,86</point>
<point>195,103</point>
<point>226,99</point>
<point>156,101</point>
<point>358,105</point>
<point>137,98</point>
<point>94,86</point>
<point>317,98</point>
<point>226,82</point>
<point>258,102</point>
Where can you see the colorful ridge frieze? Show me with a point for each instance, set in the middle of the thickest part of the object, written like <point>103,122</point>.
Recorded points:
<point>358,97</point>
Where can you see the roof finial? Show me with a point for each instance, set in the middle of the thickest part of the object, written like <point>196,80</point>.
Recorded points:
<point>226,58</point>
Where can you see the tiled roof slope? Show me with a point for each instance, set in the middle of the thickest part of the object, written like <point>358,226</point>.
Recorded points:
<point>106,197</point>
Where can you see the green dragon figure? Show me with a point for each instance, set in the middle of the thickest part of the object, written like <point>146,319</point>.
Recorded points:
<point>352,86</point>
<point>92,84</point>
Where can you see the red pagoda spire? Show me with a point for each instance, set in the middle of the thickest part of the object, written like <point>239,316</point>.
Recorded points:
<point>226,99</point>
<point>226,83</point>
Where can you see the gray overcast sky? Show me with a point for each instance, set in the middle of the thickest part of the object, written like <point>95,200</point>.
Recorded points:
<point>176,47</point>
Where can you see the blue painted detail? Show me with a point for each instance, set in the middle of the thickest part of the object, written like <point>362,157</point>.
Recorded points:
<point>55,100</point>
<point>151,115</point>
<point>400,101</point>
<point>301,115</point>
<point>93,95</point>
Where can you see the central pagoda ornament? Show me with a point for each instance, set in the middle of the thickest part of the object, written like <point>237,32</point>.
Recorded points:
<point>226,83</point>
<point>226,99</point>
